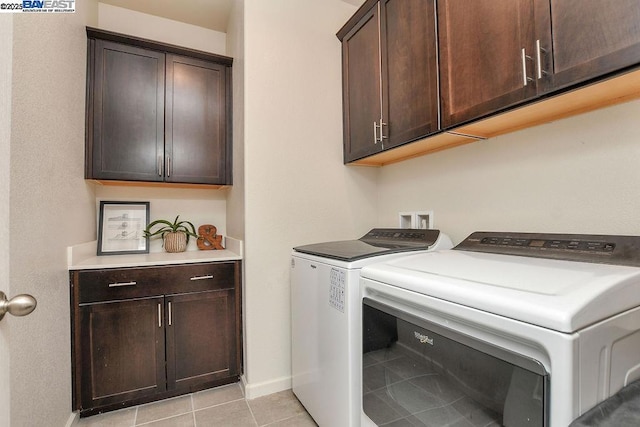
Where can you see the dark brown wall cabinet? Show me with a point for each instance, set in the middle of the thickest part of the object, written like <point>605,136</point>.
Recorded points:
<point>389,76</point>
<point>143,334</point>
<point>495,54</point>
<point>156,113</point>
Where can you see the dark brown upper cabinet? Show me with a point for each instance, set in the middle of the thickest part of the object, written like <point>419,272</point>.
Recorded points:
<point>503,65</point>
<point>389,58</point>
<point>196,121</point>
<point>486,56</point>
<point>156,112</point>
<point>495,54</point>
<point>592,38</point>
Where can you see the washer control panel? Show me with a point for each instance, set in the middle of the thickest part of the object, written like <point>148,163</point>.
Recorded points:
<point>401,237</point>
<point>608,249</point>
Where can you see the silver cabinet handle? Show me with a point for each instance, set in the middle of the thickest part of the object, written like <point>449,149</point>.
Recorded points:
<point>539,51</point>
<point>207,277</point>
<point>159,165</point>
<point>382,136</point>
<point>375,132</point>
<point>168,166</point>
<point>159,315</point>
<point>377,126</point>
<point>169,309</point>
<point>525,79</point>
<point>118,284</point>
<point>20,305</point>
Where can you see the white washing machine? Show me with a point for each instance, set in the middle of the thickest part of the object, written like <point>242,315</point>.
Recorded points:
<point>512,329</point>
<point>326,317</point>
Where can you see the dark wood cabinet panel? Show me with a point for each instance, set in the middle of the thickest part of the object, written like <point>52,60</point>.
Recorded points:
<point>499,53</point>
<point>200,338</point>
<point>502,65</point>
<point>486,61</point>
<point>123,347</point>
<point>592,38</point>
<point>390,82</point>
<point>156,112</point>
<point>195,121</point>
<point>410,70</point>
<point>147,333</point>
<point>139,282</point>
<point>361,76</point>
<point>127,135</point>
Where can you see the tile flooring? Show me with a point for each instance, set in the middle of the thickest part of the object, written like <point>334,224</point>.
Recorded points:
<point>222,406</point>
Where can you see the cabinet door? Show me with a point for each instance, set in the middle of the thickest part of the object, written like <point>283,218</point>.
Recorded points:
<point>409,71</point>
<point>482,66</point>
<point>196,122</point>
<point>362,96</point>
<point>122,351</point>
<point>126,141</point>
<point>592,38</point>
<point>201,338</point>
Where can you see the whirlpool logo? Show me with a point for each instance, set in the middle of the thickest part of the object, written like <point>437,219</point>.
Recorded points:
<point>424,339</point>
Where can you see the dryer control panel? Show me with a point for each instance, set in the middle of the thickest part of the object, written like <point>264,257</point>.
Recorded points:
<point>604,249</point>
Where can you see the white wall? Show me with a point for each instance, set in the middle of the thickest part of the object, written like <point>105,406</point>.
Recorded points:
<point>296,188</point>
<point>6,52</point>
<point>236,194</point>
<point>198,206</point>
<point>578,175</point>
<point>51,206</point>
<point>155,28</point>
<point>235,49</point>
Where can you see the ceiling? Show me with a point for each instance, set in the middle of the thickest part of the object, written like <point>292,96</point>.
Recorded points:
<point>211,14</point>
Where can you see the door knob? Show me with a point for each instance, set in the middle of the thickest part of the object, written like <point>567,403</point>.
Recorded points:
<point>20,305</point>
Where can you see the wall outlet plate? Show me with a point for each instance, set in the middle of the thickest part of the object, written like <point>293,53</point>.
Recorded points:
<point>420,220</point>
<point>423,219</point>
<point>405,219</point>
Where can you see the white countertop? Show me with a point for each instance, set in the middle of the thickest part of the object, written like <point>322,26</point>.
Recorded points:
<point>83,257</point>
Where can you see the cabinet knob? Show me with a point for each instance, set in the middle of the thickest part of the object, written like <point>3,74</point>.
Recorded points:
<point>20,305</point>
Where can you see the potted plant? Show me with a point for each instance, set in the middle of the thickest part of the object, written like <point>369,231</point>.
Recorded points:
<point>175,235</point>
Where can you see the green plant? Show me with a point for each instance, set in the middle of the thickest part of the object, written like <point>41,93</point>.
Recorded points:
<point>170,227</point>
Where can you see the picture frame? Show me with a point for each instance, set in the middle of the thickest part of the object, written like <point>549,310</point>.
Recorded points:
<point>121,228</point>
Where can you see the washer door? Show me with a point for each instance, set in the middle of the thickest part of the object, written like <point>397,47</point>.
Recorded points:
<point>428,375</point>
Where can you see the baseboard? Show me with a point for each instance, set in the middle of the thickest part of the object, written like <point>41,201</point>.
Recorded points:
<point>254,390</point>
<point>73,420</point>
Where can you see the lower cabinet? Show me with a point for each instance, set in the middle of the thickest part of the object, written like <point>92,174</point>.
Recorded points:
<point>144,334</point>
<point>200,338</point>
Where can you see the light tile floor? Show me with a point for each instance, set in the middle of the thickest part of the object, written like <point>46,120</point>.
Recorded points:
<point>222,406</point>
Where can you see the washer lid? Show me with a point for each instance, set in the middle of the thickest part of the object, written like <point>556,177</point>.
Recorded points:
<point>378,241</point>
<point>565,296</point>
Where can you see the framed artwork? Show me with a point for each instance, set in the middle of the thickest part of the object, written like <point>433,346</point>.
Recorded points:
<point>121,228</point>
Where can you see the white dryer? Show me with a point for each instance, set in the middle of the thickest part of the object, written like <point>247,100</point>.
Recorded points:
<point>513,329</point>
<point>326,317</point>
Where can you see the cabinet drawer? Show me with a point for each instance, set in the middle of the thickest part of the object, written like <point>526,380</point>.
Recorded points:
<point>140,282</point>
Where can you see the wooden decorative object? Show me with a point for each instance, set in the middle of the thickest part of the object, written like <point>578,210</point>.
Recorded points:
<point>208,239</point>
